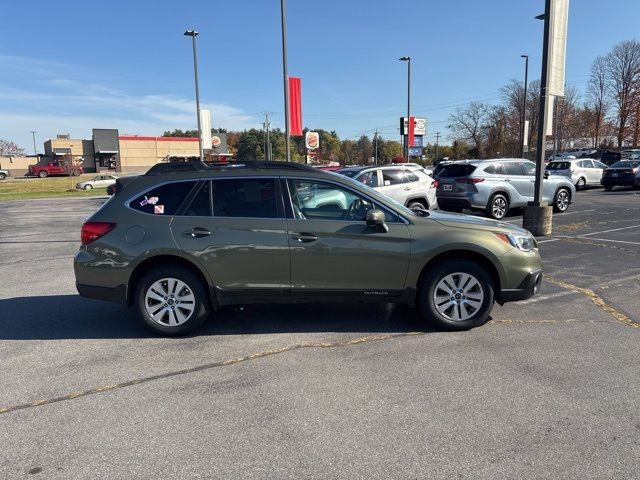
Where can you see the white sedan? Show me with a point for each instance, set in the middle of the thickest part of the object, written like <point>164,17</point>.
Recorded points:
<point>99,181</point>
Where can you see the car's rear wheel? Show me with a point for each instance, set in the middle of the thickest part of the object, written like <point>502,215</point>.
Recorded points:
<point>75,173</point>
<point>417,205</point>
<point>457,295</point>
<point>2,176</point>
<point>561,200</point>
<point>42,174</point>
<point>88,187</point>
<point>581,184</point>
<point>172,301</point>
<point>498,206</point>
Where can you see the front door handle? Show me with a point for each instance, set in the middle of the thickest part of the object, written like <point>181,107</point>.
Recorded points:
<point>407,188</point>
<point>304,237</point>
<point>198,232</point>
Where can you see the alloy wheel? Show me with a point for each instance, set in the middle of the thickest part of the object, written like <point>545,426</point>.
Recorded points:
<point>169,302</point>
<point>458,296</point>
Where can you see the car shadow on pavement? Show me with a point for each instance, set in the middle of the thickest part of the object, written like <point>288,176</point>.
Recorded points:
<point>75,317</point>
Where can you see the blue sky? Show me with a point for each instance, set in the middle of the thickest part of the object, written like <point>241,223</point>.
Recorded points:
<point>67,67</point>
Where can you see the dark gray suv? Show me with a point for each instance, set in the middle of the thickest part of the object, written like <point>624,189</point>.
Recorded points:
<point>185,239</point>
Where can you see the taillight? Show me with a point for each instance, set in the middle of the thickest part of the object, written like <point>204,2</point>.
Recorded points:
<point>469,180</point>
<point>91,231</point>
<point>434,184</point>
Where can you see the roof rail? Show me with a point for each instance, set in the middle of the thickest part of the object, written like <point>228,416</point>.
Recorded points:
<point>261,164</point>
<point>177,167</point>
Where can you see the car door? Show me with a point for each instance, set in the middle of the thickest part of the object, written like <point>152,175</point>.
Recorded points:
<point>235,228</point>
<point>520,184</point>
<point>393,184</point>
<point>592,174</point>
<point>333,251</point>
<point>598,168</point>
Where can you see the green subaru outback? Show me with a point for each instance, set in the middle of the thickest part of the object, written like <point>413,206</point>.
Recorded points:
<point>187,238</point>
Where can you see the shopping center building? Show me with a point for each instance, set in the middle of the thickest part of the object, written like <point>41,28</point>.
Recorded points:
<point>109,151</point>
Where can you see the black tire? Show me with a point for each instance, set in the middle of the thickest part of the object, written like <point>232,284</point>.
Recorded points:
<point>561,200</point>
<point>200,309</point>
<point>608,188</point>
<point>42,174</point>
<point>438,314</point>
<point>417,204</point>
<point>75,173</point>
<point>581,184</point>
<point>498,206</point>
<point>2,176</point>
<point>88,187</point>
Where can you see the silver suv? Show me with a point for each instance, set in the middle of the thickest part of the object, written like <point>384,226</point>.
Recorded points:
<point>495,186</point>
<point>582,172</point>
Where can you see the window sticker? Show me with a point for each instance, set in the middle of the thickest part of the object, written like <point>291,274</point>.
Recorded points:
<point>158,209</point>
<point>149,201</point>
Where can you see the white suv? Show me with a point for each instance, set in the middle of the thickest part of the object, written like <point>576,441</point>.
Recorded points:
<point>410,187</point>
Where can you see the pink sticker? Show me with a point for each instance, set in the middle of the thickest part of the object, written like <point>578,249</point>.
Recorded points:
<point>158,209</point>
<point>150,201</point>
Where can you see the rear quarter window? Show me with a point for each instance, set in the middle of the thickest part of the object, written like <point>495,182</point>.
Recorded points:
<point>164,199</point>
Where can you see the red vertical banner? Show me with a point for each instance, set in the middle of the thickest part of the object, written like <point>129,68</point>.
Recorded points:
<point>412,127</point>
<point>295,107</point>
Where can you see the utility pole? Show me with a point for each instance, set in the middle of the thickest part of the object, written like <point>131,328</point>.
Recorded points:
<point>266,125</point>
<point>437,141</point>
<point>35,150</point>
<point>375,139</point>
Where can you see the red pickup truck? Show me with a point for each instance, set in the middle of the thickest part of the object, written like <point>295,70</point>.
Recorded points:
<point>54,168</point>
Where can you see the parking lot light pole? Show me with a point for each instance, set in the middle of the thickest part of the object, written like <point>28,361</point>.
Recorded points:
<point>285,75</point>
<point>406,137</point>
<point>524,104</point>
<point>193,34</point>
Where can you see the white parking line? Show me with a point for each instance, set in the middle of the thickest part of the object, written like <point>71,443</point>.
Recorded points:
<point>549,240</point>
<point>607,231</point>
<point>616,241</point>
<point>579,211</point>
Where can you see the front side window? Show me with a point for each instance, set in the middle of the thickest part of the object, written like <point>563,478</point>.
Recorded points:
<point>164,199</point>
<point>392,177</point>
<point>370,179</point>
<point>326,201</point>
<point>245,197</point>
<point>512,168</point>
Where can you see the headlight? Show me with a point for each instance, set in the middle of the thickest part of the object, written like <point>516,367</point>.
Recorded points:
<point>524,243</point>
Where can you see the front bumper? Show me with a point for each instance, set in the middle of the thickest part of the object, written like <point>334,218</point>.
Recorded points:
<point>529,287</point>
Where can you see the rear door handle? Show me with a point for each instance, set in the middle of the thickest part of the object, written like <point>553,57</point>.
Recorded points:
<point>407,188</point>
<point>198,232</point>
<point>304,237</point>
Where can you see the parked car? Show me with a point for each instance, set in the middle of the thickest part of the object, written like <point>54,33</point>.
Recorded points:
<point>609,157</point>
<point>582,152</point>
<point>582,173</point>
<point>54,168</point>
<point>495,186</point>
<point>4,174</point>
<point>178,245</point>
<point>561,156</point>
<point>404,184</point>
<point>99,181</point>
<point>624,173</point>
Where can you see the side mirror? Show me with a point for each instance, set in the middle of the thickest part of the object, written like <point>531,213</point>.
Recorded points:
<point>376,220</point>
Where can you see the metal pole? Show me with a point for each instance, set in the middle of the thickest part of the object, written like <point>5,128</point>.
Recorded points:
<point>544,99</point>
<point>285,74</point>
<point>35,150</point>
<point>524,104</point>
<point>375,137</point>
<point>437,141</point>
<point>268,140</point>
<point>556,106</point>
<point>193,34</point>
<point>408,105</point>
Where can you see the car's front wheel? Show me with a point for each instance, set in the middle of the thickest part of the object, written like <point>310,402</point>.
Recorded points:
<point>581,184</point>
<point>2,176</point>
<point>417,205</point>
<point>42,174</point>
<point>88,187</point>
<point>172,301</point>
<point>457,295</point>
<point>561,200</point>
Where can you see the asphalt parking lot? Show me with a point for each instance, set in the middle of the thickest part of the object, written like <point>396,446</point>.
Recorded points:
<point>549,388</point>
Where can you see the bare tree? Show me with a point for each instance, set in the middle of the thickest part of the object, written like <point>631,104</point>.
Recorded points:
<point>597,99</point>
<point>469,124</point>
<point>9,148</point>
<point>623,78</point>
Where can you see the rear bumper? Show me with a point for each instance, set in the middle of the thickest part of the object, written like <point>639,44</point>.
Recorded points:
<point>454,202</point>
<point>529,287</point>
<point>613,182</point>
<point>110,294</point>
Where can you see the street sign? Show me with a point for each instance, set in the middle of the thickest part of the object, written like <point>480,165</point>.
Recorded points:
<point>415,151</point>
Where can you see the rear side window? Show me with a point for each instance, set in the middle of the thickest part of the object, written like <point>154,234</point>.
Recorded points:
<point>256,198</point>
<point>392,177</point>
<point>411,177</point>
<point>200,206</point>
<point>164,199</point>
<point>559,166</point>
<point>494,169</point>
<point>456,170</point>
<point>511,168</point>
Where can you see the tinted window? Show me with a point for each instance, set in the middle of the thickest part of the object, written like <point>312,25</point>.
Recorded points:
<point>529,168</point>
<point>348,173</point>
<point>200,206</point>
<point>599,164</point>
<point>392,177</point>
<point>494,169</point>
<point>369,178</point>
<point>587,164</point>
<point>511,168</point>
<point>625,164</point>
<point>241,197</point>
<point>559,166</point>
<point>457,170</point>
<point>164,199</point>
